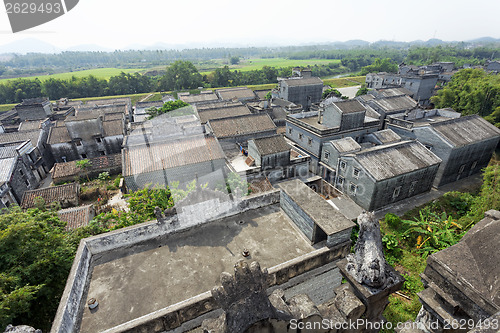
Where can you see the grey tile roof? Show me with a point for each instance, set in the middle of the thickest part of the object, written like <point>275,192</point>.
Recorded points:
<point>18,137</point>
<point>170,154</point>
<point>76,217</point>
<point>217,104</point>
<point>238,93</point>
<point>6,168</point>
<point>30,125</point>
<point>388,92</point>
<point>190,99</point>
<point>222,112</point>
<point>387,136</point>
<point>388,161</point>
<point>58,134</point>
<point>51,194</point>
<point>8,151</point>
<point>70,169</point>
<point>466,130</point>
<point>350,106</point>
<point>241,125</point>
<point>113,127</point>
<point>345,145</point>
<point>271,145</point>
<point>303,81</point>
<point>396,103</point>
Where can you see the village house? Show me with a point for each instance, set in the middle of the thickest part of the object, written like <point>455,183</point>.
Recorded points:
<point>203,97</point>
<point>421,85</point>
<point>302,88</point>
<point>70,171</point>
<point>380,175</point>
<point>180,159</point>
<point>67,195</point>
<point>240,129</point>
<point>123,103</point>
<point>241,94</point>
<point>309,130</point>
<point>140,108</point>
<point>77,217</point>
<point>464,144</point>
<point>34,109</point>
<point>86,136</point>
<point>385,106</point>
<point>214,111</point>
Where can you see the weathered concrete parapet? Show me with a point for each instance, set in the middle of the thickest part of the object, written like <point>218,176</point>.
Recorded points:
<point>21,329</point>
<point>370,277</point>
<point>243,299</point>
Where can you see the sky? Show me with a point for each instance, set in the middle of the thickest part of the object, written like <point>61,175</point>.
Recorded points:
<point>116,24</point>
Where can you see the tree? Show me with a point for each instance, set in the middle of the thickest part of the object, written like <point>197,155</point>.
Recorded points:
<point>362,91</point>
<point>84,165</point>
<point>234,60</point>
<point>180,75</point>
<point>35,259</point>
<point>167,107</point>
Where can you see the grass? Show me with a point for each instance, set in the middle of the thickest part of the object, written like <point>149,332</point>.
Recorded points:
<point>345,81</point>
<point>254,64</point>
<point>6,107</point>
<point>100,73</point>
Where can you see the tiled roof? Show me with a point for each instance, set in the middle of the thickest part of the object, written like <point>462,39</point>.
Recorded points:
<point>238,93</point>
<point>241,125</point>
<point>113,127</point>
<point>198,98</point>
<point>8,151</point>
<point>145,105</point>
<point>349,106</point>
<point>345,145</point>
<point>69,169</point>
<point>271,145</point>
<point>6,168</point>
<point>395,103</point>
<point>30,125</point>
<point>303,82</point>
<point>388,92</point>
<point>77,216</point>
<point>15,137</point>
<point>51,194</point>
<point>217,104</point>
<point>387,136</point>
<point>58,134</point>
<point>261,94</point>
<point>170,154</point>
<point>466,130</point>
<point>222,112</point>
<point>395,159</point>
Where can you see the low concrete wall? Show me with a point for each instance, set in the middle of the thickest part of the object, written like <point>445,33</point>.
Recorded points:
<point>175,315</point>
<point>98,249</point>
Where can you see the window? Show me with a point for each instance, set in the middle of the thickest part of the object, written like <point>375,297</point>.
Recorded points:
<point>473,166</point>
<point>21,172</point>
<point>340,180</point>
<point>353,187</point>
<point>98,140</point>
<point>309,141</point>
<point>300,136</point>
<point>462,168</point>
<point>83,155</point>
<point>396,192</point>
<point>27,182</point>
<point>428,147</point>
<point>78,142</point>
<point>289,131</point>
<point>343,165</point>
<point>102,152</point>
<point>356,173</point>
<point>63,158</point>
<point>327,155</point>
<point>412,187</point>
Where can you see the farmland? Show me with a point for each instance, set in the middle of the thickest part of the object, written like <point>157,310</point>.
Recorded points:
<point>100,73</point>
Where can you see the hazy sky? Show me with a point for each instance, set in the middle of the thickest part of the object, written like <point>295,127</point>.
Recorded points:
<point>120,23</point>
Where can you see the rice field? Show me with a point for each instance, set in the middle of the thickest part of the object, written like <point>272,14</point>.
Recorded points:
<point>100,73</point>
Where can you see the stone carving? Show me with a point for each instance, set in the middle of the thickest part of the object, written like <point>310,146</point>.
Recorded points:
<point>243,299</point>
<point>367,264</point>
<point>21,329</point>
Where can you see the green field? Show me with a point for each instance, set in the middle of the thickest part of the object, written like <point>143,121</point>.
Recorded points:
<point>6,107</point>
<point>101,73</point>
<point>253,64</point>
<point>345,81</point>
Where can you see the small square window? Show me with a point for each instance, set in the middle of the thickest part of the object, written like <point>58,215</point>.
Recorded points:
<point>343,165</point>
<point>102,153</point>
<point>300,136</point>
<point>98,140</point>
<point>78,142</point>
<point>353,187</point>
<point>21,172</point>
<point>462,168</point>
<point>340,180</point>
<point>289,131</point>
<point>84,155</point>
<point>309,141</point>
<point>356,173</point>
<point>473,166</point>
<point>412,186</point>
<point>327,155</point>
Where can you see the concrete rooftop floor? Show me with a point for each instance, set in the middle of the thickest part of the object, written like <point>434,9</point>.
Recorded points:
<point>188,264</point>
